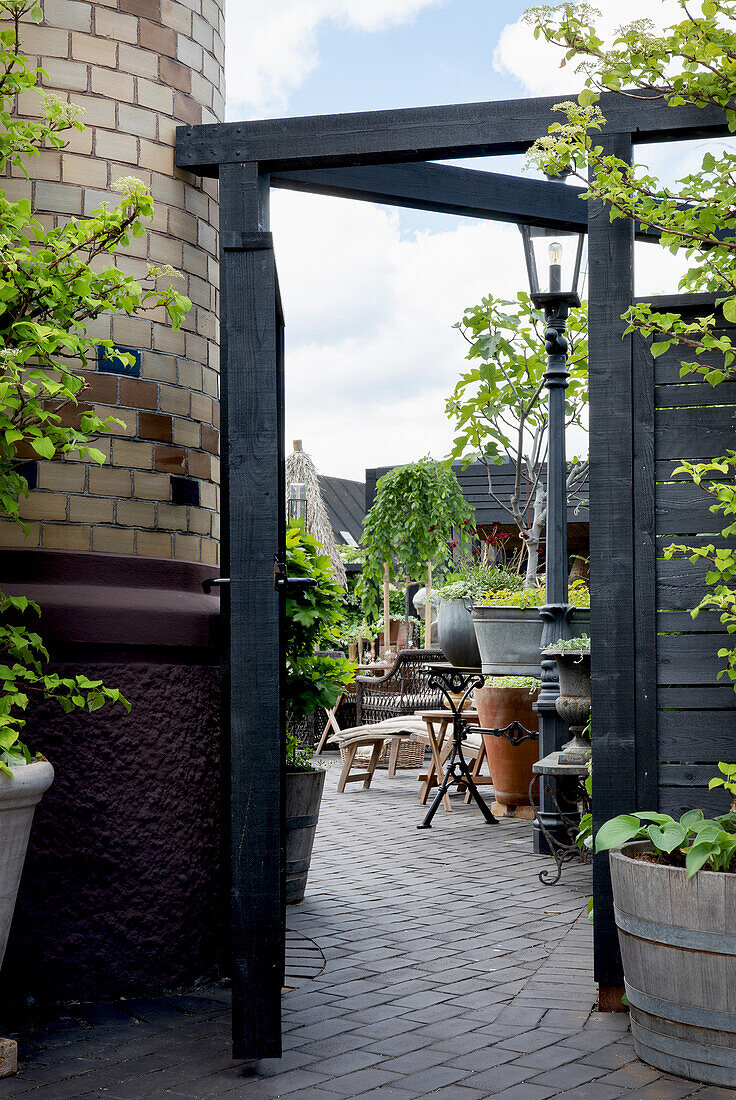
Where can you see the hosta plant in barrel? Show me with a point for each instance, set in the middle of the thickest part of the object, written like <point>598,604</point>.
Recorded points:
<point>674,894</point>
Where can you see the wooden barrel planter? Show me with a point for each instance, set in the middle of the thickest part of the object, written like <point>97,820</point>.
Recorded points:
<point>678,945</point>
<point>303,798</point>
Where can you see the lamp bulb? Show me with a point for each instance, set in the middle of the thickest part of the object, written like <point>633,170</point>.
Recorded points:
<point>555,252</point>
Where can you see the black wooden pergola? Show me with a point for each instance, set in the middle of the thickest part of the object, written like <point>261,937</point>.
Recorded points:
<point>383,157</point>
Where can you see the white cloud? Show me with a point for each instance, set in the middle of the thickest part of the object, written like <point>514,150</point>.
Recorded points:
<point>370,352</point>
<point>272,48</point>
<point>535,64</point>
<point>370,349</point>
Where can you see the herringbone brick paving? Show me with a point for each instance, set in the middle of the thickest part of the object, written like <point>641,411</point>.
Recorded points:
<point>422,963</point>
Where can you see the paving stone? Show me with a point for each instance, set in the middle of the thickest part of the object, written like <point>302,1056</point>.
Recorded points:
<point>435,984</point>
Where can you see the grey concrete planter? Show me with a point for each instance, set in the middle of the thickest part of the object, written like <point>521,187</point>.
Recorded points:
<point>509,640</point>
<point>456,634</point>
<point>678,946</point>
<point>18,800</point>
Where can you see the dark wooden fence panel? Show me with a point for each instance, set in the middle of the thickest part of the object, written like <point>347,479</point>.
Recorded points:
<point>696,712</point>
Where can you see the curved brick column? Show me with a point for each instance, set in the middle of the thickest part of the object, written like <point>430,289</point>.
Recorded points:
<point>139,68</point>
<point>125,853</point>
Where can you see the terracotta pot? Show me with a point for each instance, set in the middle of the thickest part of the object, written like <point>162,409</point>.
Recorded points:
<point>510,765</point>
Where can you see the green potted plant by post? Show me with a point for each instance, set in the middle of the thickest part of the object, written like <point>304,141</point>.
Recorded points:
<point>573,703</point>
<point>463,588</point>
<point>313,620</point>
<point>52,282</point>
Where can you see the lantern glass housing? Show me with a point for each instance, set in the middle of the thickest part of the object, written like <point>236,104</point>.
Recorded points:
<point>555,261</point>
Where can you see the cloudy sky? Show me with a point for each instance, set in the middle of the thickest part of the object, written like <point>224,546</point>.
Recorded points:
<point>370,292</point>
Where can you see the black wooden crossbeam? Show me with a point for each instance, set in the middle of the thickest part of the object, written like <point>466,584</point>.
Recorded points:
<point>447,189</point>
<point>422,133</point>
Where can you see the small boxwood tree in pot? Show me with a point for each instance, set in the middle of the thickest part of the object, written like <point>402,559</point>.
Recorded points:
<point>313,620</point>
<point>52,282</point>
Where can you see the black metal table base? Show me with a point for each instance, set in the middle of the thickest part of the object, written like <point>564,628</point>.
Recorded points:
<point>453,682</point>
<point>560,851</point>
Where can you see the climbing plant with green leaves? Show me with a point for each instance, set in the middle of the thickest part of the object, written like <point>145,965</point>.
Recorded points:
<point>692,62</point>
<point>53,282</point>
<point>419,509</point>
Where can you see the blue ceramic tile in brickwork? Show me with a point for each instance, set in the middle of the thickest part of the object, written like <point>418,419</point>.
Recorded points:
<point>113,365</point>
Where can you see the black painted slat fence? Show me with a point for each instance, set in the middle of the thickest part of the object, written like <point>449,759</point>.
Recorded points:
<point>696,711</point>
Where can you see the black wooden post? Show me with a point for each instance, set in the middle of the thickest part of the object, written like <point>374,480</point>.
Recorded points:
<point>253,513</point>
<point>611,267</point>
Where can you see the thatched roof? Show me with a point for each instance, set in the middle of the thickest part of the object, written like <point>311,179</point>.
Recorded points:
<point>301,469</point>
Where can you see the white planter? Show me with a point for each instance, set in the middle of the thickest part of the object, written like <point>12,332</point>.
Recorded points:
<point>18,800</point>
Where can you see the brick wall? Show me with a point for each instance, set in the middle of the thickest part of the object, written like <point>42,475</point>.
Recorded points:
<point>139,68</point>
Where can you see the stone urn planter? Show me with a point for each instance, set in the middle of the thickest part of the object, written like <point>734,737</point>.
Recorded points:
<point>573,702</point>
<point>303,798</point>
<point>679,956</point>
<point>510,765</point>
<point>18,800</point>
<point>456,634</point>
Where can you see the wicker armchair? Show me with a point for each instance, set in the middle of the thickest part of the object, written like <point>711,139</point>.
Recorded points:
<point>404,689</point>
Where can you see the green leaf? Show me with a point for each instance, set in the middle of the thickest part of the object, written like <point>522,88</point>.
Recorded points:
<point>667,837</point>
<point>616,832</point>
<point>43,446</point>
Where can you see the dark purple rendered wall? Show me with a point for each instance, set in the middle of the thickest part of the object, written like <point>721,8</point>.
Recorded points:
<point>123,891</point>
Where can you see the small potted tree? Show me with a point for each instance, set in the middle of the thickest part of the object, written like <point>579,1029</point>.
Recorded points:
<point>312,680</point>
<point>409,528</point>
<point>500,412</point>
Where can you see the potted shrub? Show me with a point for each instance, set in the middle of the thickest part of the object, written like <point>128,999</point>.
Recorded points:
<point>573,703</point>
<point>455,630</point>
<point>501,701</point>
<point>508,627</point>
<point>25,776</point>
<point>674,893</point>
<point>312,680</point>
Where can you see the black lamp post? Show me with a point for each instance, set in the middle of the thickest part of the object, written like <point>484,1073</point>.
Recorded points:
<point>554,261</point>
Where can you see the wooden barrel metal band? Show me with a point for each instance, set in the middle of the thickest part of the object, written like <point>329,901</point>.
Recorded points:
<point>302,822</point>
<point>679,1013</point>
<point>671,936</point>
